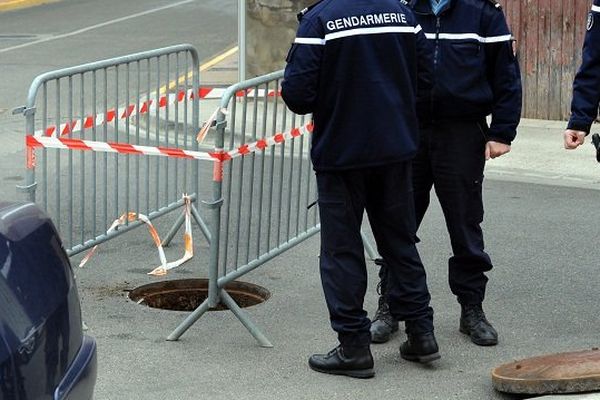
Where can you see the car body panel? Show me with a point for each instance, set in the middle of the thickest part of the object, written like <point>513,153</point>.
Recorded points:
<point>40,316</point>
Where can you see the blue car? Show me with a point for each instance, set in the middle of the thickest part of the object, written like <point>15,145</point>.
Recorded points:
<point>43,351</point>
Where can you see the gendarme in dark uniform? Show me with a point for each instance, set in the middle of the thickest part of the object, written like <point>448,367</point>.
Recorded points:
<point>475,74</point>
<point>586,88</point>
<point>354,65</point>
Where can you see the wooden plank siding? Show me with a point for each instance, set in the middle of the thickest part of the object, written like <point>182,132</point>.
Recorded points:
<point>549,36</point>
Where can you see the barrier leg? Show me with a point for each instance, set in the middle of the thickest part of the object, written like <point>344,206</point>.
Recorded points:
<point>180,220</point>
<point>189,321</point>
<point>245,320</point>
<point>371,252</point>
<point>201,224</point>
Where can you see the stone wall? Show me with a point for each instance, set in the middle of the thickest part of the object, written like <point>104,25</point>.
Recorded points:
<point>270,29</point>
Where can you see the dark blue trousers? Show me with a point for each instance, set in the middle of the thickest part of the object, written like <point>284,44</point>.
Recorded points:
<point>451,159</point>
<point>386,194</point>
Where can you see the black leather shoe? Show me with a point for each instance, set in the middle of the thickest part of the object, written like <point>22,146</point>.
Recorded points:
<point>356,362</point>
<point>421,348</point>
<point>474,323</point>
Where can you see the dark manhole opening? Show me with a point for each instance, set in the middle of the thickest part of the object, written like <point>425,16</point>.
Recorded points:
<point>188,294</point>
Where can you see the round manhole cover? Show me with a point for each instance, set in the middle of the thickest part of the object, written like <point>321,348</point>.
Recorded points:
<point>188,294</point>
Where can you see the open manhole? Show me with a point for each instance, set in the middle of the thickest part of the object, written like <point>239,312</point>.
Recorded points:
<point>188,294</point>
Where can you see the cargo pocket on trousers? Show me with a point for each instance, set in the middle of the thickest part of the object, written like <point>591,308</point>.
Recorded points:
<point>335,223</point>
<point>474,192</point>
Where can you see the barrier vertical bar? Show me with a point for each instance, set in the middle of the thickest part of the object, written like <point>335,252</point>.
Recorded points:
<point>128,139</point>
<point>299,187</point>
<point>70,175</point>
<point>148,99</point>
<point>177,192</point>
<point>216,204</point>
<point>271,177</point>
<point>281,170</point>
<point>94,158</point>
<point>82,162</point>
<point>241,180</point>
<point>262,171</point>
<point>157,141</point>
<point>232,113</point>
<point>105,155</point>
<point>185,121</point>
<point>308,198</point>
<point>195,116</point>
<point>167,93</point>
<point>116,159</point>
<point>44,151</point>
<point>57,216</point>
<point>290,182</point>
<point>252,156</point>
<point>137,138</point>
<point>29,187</point>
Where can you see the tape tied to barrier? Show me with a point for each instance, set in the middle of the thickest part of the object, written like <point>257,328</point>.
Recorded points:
<point>145,107</point>
<point>164,266</point>
<point>33,142</point>
<point>219,156</point>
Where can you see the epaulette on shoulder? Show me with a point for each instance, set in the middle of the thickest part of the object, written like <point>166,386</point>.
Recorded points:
<point>495,4</point>
<point>301,14</point>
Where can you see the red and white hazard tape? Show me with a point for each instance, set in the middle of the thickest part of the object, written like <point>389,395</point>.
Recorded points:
<point>262,144</point>
<point>164,265</point>
<point>145,107</point>
<point>120,148</point>
<point>125,148</point>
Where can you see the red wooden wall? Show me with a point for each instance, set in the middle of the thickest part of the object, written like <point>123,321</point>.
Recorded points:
<point>549,37</point>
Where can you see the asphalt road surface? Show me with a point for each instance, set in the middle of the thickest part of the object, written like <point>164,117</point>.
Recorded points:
<point>71,32</point>
<point>543,238</point>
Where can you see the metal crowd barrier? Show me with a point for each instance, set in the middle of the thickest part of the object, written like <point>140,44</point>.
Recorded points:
<point>140,99</point>
<point>263,185</point>
<point>261,200</point>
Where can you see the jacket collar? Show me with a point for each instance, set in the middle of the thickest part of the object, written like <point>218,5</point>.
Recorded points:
<point>424,6</point>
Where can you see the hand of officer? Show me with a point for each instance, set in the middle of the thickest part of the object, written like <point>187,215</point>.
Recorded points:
<point>495,149</point>
<point>573,139</point>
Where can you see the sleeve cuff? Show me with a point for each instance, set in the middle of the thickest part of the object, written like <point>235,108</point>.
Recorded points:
<point>493,138</point>
<point>580,126</point>
<point>501,133</point>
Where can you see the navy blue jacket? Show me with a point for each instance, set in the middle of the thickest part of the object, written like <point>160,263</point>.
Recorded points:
<point>586,88</point>
<point>353,65</point>
<point>475,71</point>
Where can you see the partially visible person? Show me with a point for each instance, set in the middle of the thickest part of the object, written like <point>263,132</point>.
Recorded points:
<point>475,74</point>
<point>355,66</point>
<point>586,87</point>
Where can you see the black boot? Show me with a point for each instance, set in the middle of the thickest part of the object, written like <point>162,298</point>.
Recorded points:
<point>356,362</point>
<point>383,324</point>
<point>421,347</point>
<point>474,324</point>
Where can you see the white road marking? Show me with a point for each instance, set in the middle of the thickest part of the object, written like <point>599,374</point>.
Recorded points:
<point>100,25</point>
